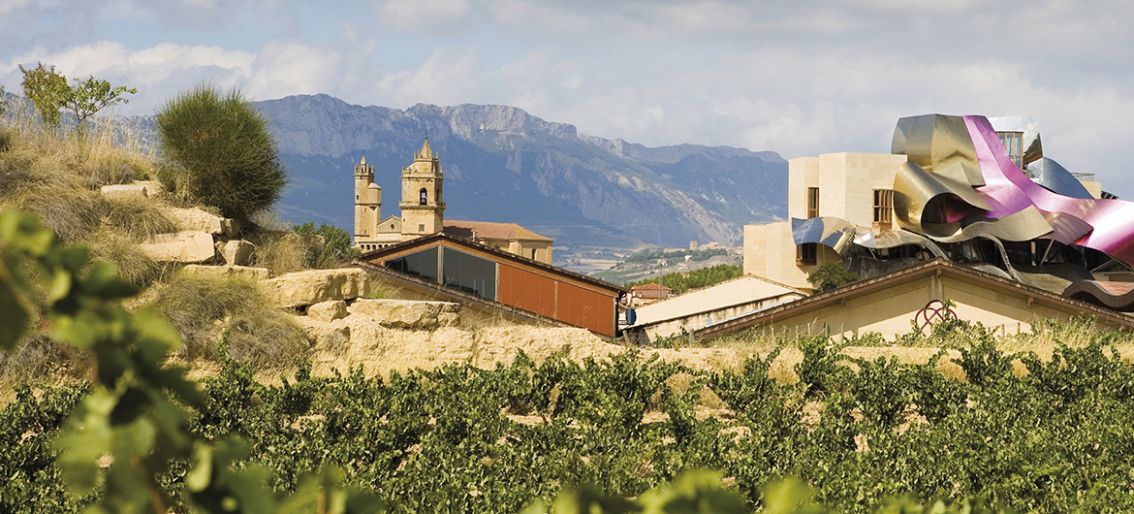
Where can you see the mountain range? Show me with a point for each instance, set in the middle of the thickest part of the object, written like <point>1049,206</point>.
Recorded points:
<point>503,164</point>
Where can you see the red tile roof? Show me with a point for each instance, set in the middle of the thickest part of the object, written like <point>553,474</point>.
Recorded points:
<point>491,230</point>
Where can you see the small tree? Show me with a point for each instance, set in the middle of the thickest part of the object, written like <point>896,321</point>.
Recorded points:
<point>336,248</point>
<point>48,90</point>
<point>831,276</point>
<point>223,150</point>
<point>90,96</point>
<point>3,101</point>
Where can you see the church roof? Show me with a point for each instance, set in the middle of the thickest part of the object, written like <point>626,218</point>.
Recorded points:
<point>491,230</point>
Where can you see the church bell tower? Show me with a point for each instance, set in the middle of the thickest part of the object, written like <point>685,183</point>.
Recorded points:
<point>367,202</point>
<point>423,206</point>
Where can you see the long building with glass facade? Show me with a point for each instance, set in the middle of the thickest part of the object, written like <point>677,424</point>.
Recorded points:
<point>506,278</point>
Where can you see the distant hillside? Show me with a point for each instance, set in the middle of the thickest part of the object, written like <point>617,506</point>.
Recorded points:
<point>503,164</point>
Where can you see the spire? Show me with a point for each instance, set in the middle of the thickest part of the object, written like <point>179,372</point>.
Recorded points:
<point>426,152</point>
<point>363,161</point>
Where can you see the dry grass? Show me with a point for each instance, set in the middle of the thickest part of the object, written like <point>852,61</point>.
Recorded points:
<point>205,310</point>
<point>39,359</point>
<point>134,266</point>
<point>281,253</point>
<point>136,217</point>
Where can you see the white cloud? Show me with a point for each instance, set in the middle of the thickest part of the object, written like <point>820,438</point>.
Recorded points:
<point>419,13</point>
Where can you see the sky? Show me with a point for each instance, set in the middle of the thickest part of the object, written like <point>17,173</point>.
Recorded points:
<point>796,77</point>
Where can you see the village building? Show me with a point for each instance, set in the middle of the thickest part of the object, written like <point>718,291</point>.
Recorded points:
<point>422,208</point>
<point>914,299</point>
<point>645,294</point>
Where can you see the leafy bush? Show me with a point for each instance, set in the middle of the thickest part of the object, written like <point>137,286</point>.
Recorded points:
<point>334,248</point>
<point>225,154</point>
<point>830,276</point>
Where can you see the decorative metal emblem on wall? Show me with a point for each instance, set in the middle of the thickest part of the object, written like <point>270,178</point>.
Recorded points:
<point>933,313</point>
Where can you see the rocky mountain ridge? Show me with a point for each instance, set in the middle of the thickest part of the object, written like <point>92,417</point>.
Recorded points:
<point>503,164</point>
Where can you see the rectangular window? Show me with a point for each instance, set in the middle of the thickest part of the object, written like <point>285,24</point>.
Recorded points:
<point>421,264</point>
<point>812,202</point>
<point>421,228</point>
<point>806,253</point>
<point>470,274</point>
<point>883,207</point>
<point>1014,145</point>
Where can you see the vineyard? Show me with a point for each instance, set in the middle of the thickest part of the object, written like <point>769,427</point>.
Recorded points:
<point>1008,432</point>
<point>459,439</point>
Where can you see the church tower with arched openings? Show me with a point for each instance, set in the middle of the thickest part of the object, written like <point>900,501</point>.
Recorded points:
<point>423,201</point>
<point>367,202</point>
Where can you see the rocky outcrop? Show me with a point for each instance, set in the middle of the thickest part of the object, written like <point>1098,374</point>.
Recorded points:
<point>124,191</point>
<point>135,189</point>
<point>227,271</point>
<point>304,288</point>
<point>328,311</point>
<point>184,246</point>
<point>236,252</point>
<point>408,314</point>
<point>200,220</point>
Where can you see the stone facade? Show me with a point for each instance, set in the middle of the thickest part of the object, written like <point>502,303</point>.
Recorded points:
<point>422,208</point>
<point>845,183</point>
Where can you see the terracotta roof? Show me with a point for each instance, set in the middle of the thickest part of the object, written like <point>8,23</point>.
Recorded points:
<point>653,286</point>
<point>491,230</point>
<point>369,256</point>
<point>889,280</point>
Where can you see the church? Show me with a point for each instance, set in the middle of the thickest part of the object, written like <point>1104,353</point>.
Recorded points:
<point>423,214</point>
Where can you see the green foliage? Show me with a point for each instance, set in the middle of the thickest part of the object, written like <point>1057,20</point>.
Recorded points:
<point>830,276</point>
<point>131,428</point>
<point>619,434</point>
<point>88,97</point>
<point>683,282</point>
<point>3,106</point>
<point>47,90</point>
<point>225,154</point>
<point>336,248</point>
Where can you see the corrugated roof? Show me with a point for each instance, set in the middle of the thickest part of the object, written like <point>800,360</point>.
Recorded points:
<point>491,230</point>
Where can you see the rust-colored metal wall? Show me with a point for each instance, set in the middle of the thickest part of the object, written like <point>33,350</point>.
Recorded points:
<point>585,308</point>
<point>556,299</point>
<point>526,290</point>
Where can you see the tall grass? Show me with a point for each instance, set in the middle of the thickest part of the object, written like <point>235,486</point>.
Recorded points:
<point>206,310</point>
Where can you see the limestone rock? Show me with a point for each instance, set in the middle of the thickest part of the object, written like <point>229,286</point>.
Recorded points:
<point>236,252</point>
<point>197,219</point>
<point>124,191</point>
<point>227,271</point>
<point>153,188</point>
<point>185,246</point>
<point>409,314</point>
<point>328,311</point>
<point>304,288</point>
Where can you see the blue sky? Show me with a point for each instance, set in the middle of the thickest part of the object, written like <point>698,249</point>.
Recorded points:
<point>796,77</point>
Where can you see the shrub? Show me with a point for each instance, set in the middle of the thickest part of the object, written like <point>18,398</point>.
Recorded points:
<point>225,154</point>
<point>334,249</point>
<point>830,276</point>
<point>283,252</point>
<point>203,309</point>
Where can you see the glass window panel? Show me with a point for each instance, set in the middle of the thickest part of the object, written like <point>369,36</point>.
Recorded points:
<point>421,264</point>
<point>469,273</point>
